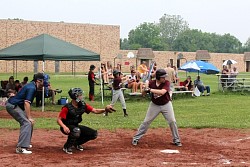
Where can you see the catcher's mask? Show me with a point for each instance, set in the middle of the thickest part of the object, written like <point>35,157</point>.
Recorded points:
<point>74,93</point>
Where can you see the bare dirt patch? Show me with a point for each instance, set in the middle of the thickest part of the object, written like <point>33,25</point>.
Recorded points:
<point>201,147</point>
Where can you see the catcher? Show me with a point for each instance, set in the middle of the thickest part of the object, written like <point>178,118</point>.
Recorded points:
<point>70,117</point>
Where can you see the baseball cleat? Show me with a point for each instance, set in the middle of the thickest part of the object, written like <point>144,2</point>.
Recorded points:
<point>67,150</point>
<point>79,147</point>
<point>134,142</point>
<point>178,144</point>
<point>20,150</point>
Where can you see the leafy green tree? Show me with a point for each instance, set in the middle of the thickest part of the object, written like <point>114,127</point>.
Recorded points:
<point>146,35</point>
<point>124,44</point>
<point>247,45</point>
<point>193,40</point>
<point>170,27</point>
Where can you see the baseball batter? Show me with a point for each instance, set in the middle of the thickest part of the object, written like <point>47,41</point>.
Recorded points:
<point>117,92</point>
<point>160,103</point>
<point>70,117</point>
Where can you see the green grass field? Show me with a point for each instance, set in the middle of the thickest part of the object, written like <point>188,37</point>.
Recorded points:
<point>220,110</point>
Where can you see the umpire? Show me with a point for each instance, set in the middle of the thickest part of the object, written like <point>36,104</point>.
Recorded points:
<point>160,103</point>
<point>19,107</point>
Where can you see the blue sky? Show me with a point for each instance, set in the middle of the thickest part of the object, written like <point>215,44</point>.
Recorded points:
<point>214,16</point>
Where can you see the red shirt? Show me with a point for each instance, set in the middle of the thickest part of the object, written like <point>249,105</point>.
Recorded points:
<point>160,99</point>
<point>117,83</point>
<point>64,111</point>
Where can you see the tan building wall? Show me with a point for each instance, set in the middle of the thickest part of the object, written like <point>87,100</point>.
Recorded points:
<point>102,39</point>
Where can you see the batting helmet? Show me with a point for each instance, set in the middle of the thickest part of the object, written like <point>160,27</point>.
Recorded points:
<point>92,67</point>
<point>75,92</point>
<point>116,72</point>
<point>160,73</point>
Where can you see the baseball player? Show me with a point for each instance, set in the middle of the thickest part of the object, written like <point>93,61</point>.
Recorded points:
<point>160,103</point>
<point>91,79</point>
<point>19,107</point>
<point>70,117</point>
<point>117,92</point>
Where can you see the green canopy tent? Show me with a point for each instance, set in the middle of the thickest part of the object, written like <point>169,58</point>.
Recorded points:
<point>46,47</point>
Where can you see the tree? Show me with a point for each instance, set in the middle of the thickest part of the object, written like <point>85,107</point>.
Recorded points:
<point>124,44</point>
<point>170,27</point>
<point>193,40</point>
<point>247,45</point>
<point>146,35</point>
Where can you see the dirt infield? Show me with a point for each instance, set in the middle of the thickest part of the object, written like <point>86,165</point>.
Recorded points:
<point>201,147</point>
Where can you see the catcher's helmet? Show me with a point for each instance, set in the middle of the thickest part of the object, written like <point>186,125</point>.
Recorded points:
<point>160,73</point>
<point>116,72</point>
<point>75,92</point>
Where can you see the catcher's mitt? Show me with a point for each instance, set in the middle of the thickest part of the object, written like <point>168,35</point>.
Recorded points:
<point>109,109</point>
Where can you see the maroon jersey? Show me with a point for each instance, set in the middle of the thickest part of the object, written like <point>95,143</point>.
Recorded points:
<point>117,83</point>
<point>160,99</point>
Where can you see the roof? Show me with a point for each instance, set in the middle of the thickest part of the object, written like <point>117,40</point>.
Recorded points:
<point>145,53</point>
<point>202,55</point>
<point>247,56</point>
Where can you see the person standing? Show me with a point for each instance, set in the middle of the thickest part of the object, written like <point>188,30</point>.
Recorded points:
<point>117,92</point>
<point>171,76</point>
<point>161,96</point>
<point>19,107</point>
<point>91,79</point>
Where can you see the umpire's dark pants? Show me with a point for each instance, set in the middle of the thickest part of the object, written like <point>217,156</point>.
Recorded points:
<point>86,135</point>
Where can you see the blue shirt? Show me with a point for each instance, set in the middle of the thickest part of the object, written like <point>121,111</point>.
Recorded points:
<point>26,94</point>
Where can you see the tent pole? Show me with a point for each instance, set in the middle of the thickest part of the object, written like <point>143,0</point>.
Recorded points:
<point>43,92</point>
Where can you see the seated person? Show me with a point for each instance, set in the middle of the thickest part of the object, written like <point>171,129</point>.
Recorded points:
<point>224,76</point>
<point>132,83</point>
<point>25,81</point>
<point>201,86</point>
<point>17,86</point>
<point>233,74</point>
<point>11,84</point>
<point>143,70</point>
<point>48,92</point>
<point>188,85</point>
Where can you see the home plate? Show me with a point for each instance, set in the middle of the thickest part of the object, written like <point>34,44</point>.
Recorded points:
<point>167,151</point>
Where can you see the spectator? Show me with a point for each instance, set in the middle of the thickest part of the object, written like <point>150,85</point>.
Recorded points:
<point>142,70</point>
<point>224,76</point>
<point>171,76</point>
<point>10,84</point>
<point>104,73</point>
<point>188,84</point>
<point>25,81</point>
<point>18,86</point>
<point>201,86</point>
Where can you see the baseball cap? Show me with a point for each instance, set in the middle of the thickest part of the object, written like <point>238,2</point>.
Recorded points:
<point>161,73</point>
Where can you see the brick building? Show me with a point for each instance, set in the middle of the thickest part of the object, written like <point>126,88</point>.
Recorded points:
<point>102,39</point>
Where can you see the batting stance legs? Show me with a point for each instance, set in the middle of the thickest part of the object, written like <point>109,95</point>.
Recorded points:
<point>79,135</point>
<point>117,94</point>
<point>153,111</point>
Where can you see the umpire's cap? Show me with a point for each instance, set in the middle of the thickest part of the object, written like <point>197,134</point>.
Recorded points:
<point>161,73</point>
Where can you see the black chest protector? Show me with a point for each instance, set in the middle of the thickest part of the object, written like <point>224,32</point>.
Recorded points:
<point>74,116</point>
